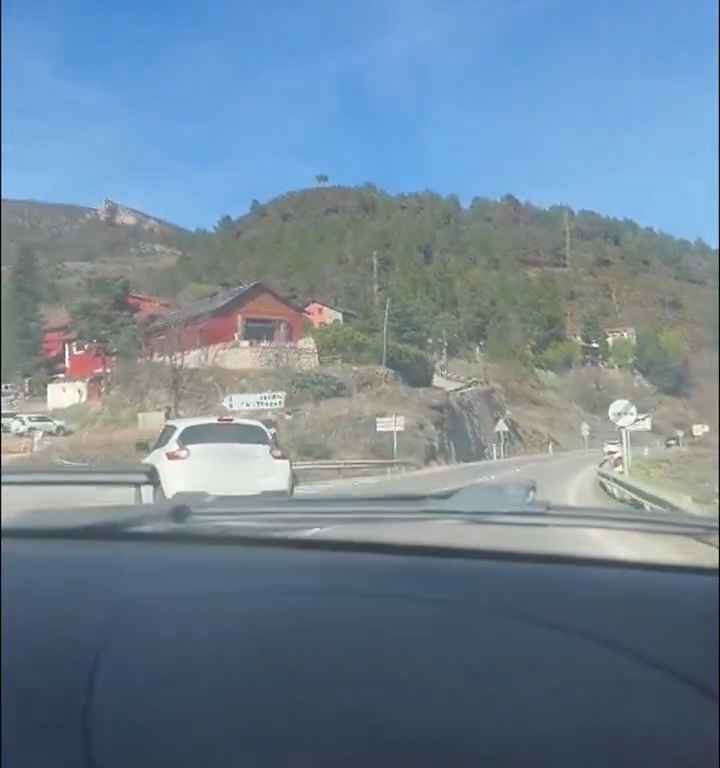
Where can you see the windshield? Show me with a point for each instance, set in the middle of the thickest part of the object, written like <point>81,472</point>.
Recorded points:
<point>410,248</point>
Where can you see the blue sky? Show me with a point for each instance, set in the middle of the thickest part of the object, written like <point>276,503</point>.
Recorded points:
<point>190,109</point>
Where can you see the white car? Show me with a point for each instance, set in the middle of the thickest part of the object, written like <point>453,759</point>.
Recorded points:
<point>7,419</point>
<point>222,456</point>
<point>25,424</point>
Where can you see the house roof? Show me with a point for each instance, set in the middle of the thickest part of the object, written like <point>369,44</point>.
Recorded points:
<point>211,305</point>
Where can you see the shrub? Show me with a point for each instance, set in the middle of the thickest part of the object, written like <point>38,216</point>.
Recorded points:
<point>559,356</point>
<point>311,448</point>
<point>622,353</point>
<point>413,365</point>
<point>318,385</point>
<point>345,342</point>
<point>662,359</point>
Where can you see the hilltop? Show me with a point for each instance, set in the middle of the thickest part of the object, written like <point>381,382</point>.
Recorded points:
<point>75,242</point>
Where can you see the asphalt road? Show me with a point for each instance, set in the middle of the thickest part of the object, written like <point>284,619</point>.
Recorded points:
<point>566,479</point>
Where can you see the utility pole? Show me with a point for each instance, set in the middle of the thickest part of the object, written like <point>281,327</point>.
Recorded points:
<point>385,333</point>
<point>375,279</point>
<point>566,218</point>
<point>444,353</point>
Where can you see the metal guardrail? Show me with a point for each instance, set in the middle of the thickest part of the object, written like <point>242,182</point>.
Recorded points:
<point>341,464</point>
<point>636,493</point>
<point>142,478</point>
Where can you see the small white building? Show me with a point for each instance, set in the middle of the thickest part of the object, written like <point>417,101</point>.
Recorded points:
<point>613,334</point>
<point>63,394</point>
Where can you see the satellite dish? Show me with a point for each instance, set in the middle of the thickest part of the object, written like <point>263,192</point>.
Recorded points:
<point>622,413</point>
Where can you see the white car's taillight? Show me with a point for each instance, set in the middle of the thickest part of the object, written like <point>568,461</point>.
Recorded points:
<point>178,454</point>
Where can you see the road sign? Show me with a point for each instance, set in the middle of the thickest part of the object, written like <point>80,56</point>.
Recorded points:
<point>501,426</point>
<point>585,429</point>
<point>698,430</point>
<point>390,424</point>
<point>622,413</point>
<point>261,401</point>
<point>643,423</point>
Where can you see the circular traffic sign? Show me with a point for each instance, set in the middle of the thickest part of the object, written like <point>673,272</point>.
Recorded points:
<point>622,413</point>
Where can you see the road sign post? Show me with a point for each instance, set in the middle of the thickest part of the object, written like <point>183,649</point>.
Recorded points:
<point>501,428</point>
<point>585,433</point>
<point>392,424</point>
<point>623,414</point>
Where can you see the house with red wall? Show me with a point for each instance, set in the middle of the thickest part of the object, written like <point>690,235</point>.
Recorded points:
<point>81,360</point>
<point>252,313</point>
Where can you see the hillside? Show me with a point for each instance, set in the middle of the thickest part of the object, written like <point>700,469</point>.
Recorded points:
<point>321,242</point>
<point>74,243</point>
<point>498,271</point>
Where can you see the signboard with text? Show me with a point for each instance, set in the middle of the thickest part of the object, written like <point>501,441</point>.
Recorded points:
<point>390,424</point>
<point>643,423</point>
<point>261,401</point>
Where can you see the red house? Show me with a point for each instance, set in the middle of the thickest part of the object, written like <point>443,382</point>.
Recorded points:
<point>253,313</point>
<point>65,354</point>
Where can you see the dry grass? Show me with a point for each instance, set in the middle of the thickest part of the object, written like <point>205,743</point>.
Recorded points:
<point>692,472</point>
<point>338,428</point>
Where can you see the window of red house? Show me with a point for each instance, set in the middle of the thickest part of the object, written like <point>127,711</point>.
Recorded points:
<point>258,330</point>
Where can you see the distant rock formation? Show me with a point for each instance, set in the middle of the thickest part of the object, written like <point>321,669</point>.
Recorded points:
<point>115,213</point>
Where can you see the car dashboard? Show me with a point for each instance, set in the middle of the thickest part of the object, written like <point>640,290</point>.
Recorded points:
<point>182,653</point>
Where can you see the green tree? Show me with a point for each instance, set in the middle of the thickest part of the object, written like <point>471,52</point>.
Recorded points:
<point>410,321</point>
<point>27,294</point>
<point>663,359</point>
<point>414,366</point>
<point>344,341</point>
<point>622,353</point>
<point>106,316</point>
<point>322,179</point>
<point>560,356</point>
<point>544,315</point>
<point>592,331</point>
<point>507,340</point>
<point>8,343</point>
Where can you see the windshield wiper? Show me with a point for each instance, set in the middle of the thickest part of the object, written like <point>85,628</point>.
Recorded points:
<point>474,503</point>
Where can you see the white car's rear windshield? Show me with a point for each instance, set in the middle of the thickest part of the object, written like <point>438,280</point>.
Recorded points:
<point>239,434</point>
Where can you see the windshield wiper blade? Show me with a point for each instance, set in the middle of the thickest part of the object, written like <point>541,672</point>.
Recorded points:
<point>469,500</point>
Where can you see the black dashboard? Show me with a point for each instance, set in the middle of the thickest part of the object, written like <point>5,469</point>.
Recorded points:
<point>133,653</point>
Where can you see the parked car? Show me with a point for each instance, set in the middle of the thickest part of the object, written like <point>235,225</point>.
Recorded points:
<point>612,447</point>
<point>7,419</point>
<point>25,424</point>
<point>672,442</point>
<point>222,456</point>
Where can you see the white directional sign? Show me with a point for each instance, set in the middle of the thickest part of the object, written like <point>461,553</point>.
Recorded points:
<point>390,424</point>
<point>643,423</point>
<point>622,413</point>
<point>698,430</point>
<point>501,426</point>
<point>585,429</point>
<point>262,401</point>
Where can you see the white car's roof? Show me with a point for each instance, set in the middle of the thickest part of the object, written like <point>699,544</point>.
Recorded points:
<point>180,423</point>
